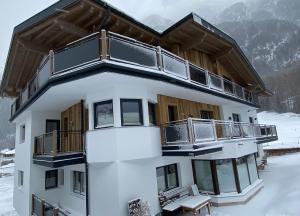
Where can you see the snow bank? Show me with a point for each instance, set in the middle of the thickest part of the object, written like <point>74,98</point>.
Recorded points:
<point>288,129</point>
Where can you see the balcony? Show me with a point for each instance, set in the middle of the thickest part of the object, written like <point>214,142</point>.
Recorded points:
<point>192,137</point>
<point>126,52</point>
<point>59,148</point>
<point>42,208</point>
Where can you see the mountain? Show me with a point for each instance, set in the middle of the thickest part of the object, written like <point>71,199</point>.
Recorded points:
<point>271,45</point>
<point>7,130</point>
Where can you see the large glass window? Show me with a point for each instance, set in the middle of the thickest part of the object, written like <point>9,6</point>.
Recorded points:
<point>103,114</point>
<point>51,179</point>
<point>167,177</point>
<point>203,175</point>
<point>78,182</point>
<point>252,168</point>
<point>243,172</point>
<point>225,176</point>
<point>131,112</point>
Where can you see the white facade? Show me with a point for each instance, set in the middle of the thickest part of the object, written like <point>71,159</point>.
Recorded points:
<point>122,160</point>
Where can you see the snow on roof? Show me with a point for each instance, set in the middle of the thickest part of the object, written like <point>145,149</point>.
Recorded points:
<point>7,151</point>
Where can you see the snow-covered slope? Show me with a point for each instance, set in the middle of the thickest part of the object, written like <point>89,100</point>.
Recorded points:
<point>288,129</point>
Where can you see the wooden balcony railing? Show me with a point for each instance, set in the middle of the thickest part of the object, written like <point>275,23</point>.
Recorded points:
<point>117,48</point>
<point>193,131</point>
<point>41,208</point>
<point>58,142</point>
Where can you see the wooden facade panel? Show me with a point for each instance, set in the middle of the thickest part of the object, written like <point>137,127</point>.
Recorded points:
<point>185,108</point>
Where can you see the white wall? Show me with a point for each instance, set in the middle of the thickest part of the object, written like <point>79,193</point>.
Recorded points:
<point>244,111</point>
<point>116,183</point>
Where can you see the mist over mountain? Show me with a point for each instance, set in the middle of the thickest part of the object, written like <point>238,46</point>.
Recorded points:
<point>7,130</point>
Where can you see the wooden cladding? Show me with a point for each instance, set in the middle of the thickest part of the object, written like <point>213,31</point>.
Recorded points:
<point>182,109</point>
<point>74,121</point>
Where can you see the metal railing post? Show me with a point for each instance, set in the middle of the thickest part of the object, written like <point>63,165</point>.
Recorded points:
<point>104,45</point>
<point>207,79</point>
<point>187,69</point>
<point>54,142</point>
<point>222,84</point>
<point>51,59</point>
<point>215,130</point>
<point>159,59</point>
<point>191,131</point>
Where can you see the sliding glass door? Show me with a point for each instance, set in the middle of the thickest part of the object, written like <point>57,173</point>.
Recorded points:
<point>203,176</point>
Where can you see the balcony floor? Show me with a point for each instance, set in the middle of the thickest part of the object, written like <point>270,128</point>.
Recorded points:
<point>59,160</point>
<point>196,150</point>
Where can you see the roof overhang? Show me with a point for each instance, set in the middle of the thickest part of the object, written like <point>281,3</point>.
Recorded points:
<point>69,20</point>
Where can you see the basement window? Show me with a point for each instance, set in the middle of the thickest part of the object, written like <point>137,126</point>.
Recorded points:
<point>78,182</point>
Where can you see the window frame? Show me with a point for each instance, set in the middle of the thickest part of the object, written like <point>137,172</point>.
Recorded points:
<point>153,114</point>
<point>140,105</point>
<point>165,167</point>
<point>56,179</point>
<point>95,114</point>
<point>82,190</point>
<point>22,133</point>
<point>20,179</point>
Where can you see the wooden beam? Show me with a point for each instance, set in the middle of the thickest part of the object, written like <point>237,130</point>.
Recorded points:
<point>71,28</point>
<point>29,45</point>
<point>24,62</point>
<point>195,41</point>
<point>106,18</point>
<point>223,54</point>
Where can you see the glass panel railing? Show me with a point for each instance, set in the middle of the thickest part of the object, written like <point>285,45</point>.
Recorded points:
<point>203,130</point>
<point>237,131</point>
<point>228,86</point>
<point>44,73</point>
<point>247,130</point>
<point>174,65</point>
<point>248,95</point>
<point>176,133</point>
<point>79,53</point>
<point>239,91</point>
<point>132,52</point>
<point>223,130</point>
<point>32,86</point>
<point>215,82</point>
<point>198,75</point>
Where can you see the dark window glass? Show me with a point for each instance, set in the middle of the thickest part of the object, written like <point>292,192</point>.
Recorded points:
<point>78,182</point>
<point>152,116</point>
<point>203,176</point>
<point>225,176</point>
<point>251,120</point>
<point>236,117</point>
<point>252,168</point>
<point>205,114</point>
<point>103,114</point>
<point>198,75</point>
<point>131,112</point>
<point>173,115</point>
<point>51,179</point>
<point>167,177</point>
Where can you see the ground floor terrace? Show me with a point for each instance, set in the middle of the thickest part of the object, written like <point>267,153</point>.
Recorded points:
<point>276,198</point>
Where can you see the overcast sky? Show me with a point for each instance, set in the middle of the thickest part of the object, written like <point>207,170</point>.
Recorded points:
<point>13,12</point>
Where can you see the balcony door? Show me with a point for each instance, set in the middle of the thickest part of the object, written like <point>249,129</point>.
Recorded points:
<point>53,126</point>
<point>172,113</point>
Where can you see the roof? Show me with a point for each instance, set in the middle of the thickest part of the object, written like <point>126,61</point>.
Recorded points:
<point>69,20</point>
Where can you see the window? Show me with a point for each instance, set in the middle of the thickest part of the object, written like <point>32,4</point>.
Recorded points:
<point>205,114</point>
<point>22,133</point>
<point>173,113</point>
<point>203,175</point>
<point>103,114</point>
<point>131,112</point>
<point>236,117</point>
<point>51,179</point>
<point>251,120</point>
<point>242,168</point>
<point>225,176</point>
<point>151,111</point>
<point>167,177</point>
<point>78,182</point>
<point>20,178</point>
<point>252,168</point>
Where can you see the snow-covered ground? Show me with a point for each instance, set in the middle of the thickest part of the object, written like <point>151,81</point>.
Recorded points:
<point>279,197</point>
<point>288,129</point>
<point>6,190</point>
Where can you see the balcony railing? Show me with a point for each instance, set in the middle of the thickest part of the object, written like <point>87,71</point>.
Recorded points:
<point>194,131</point>
<point>58,142</point>
<point>42,208</point>
<point>117,48</point>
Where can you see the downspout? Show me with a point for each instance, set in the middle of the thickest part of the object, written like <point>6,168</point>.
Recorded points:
<point>87,202</point>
